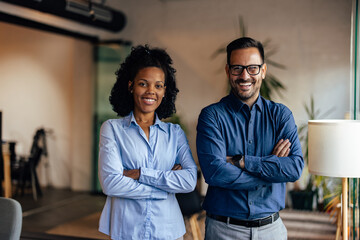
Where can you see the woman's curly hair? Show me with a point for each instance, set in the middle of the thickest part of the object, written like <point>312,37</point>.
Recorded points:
<point>122,100</point>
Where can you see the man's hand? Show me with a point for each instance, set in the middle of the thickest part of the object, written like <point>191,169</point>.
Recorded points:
<point>282,148</point>
<point>229,159</point>
<point>176,167</point>
<point>133,173</point>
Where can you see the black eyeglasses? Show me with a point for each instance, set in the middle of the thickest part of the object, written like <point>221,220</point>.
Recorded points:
<point>237,70</point>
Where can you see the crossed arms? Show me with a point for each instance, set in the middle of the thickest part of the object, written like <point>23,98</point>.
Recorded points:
<point>143,183</point>
<point>283,164</point>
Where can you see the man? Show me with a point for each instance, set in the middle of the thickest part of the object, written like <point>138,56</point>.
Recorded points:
<point>248,148</point>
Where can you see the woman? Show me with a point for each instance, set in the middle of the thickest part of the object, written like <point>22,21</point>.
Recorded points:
<point>143,161</point>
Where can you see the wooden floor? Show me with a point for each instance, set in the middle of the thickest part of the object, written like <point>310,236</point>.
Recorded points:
<point>308,225</point>
<point>56,207</point>
<point>301,225</point>
<point>76,214</point>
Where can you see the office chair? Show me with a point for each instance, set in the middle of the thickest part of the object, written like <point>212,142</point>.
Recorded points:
<point>10,219</point>
<point>26,169</point>
<point>190,205</point>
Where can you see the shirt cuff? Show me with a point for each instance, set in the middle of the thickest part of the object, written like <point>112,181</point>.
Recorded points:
<point>148,176</point>
<point>252,164</point>
<point>159,194</point>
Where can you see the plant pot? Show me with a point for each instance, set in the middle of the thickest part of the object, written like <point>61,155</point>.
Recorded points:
<point>302,200</point>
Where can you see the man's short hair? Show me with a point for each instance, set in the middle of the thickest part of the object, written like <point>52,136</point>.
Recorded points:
<point>244,42</point>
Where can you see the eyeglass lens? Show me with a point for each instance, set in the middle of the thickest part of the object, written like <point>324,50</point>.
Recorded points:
<point>251,69</point>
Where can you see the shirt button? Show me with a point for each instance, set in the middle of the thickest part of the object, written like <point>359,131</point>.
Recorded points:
<point>250,141</point>
<point>250,203</point>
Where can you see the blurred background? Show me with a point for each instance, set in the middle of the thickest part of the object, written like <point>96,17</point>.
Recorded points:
<point>57,68</point>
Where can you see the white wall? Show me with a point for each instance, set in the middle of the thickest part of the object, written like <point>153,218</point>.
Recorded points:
<point>46,81</point>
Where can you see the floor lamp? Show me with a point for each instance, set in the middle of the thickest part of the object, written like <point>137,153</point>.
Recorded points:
<point>334,151</point>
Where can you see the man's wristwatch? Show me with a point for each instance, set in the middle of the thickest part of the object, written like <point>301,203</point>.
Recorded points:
<point>237,159</point>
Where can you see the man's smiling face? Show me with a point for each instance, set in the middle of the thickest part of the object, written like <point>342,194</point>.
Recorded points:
<point>245,86</point>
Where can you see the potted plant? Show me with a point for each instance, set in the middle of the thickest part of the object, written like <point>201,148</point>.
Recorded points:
<point>316,186</point>
<point>271,84</point>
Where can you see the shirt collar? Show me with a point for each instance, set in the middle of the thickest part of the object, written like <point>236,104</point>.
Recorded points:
<point>129,119</point>
<point>259,103</point>
<point>159,123</point>
<point>238,104</point>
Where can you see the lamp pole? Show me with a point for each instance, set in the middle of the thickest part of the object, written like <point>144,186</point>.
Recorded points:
<point>345,208</point>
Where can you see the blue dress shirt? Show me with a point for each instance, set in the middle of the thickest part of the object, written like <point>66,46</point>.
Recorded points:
<point>146,208</point>
<point>230,127</point>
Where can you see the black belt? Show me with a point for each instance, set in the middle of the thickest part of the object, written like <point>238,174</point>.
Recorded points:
<point>246,223</point>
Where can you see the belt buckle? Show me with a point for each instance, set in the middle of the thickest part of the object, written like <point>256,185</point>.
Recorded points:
<point>253,223</point>
<point>266,220</point>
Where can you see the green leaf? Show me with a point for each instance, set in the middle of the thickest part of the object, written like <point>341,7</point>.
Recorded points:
<point>266,42</point>
<point>275,64</point>
<point>242,27</point>
<point>327,113</point>
<point>271,51</point>
<point>218,51</point>
<point>265,91</point>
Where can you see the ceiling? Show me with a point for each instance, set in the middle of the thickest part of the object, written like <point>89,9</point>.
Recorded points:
<point>79,18</point>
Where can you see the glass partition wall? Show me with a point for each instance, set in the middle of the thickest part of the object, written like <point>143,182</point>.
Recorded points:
<point>354,195</point>
<point>108,58</point>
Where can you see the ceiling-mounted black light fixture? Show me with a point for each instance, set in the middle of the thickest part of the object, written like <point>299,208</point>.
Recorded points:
<point>83,11</point>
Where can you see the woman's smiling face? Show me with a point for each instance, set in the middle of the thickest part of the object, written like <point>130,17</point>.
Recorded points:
<point>148,90</point>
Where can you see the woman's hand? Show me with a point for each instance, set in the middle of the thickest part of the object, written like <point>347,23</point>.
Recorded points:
<point>133,173</point>
<point>176,167</point>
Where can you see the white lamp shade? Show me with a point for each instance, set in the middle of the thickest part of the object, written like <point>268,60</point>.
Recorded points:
<point>334,148</point>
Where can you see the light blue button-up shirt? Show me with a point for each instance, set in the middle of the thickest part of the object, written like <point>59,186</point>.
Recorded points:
<point>146,208</point>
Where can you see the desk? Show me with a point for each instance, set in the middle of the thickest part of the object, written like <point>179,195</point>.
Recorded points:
<point>7,170</point>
